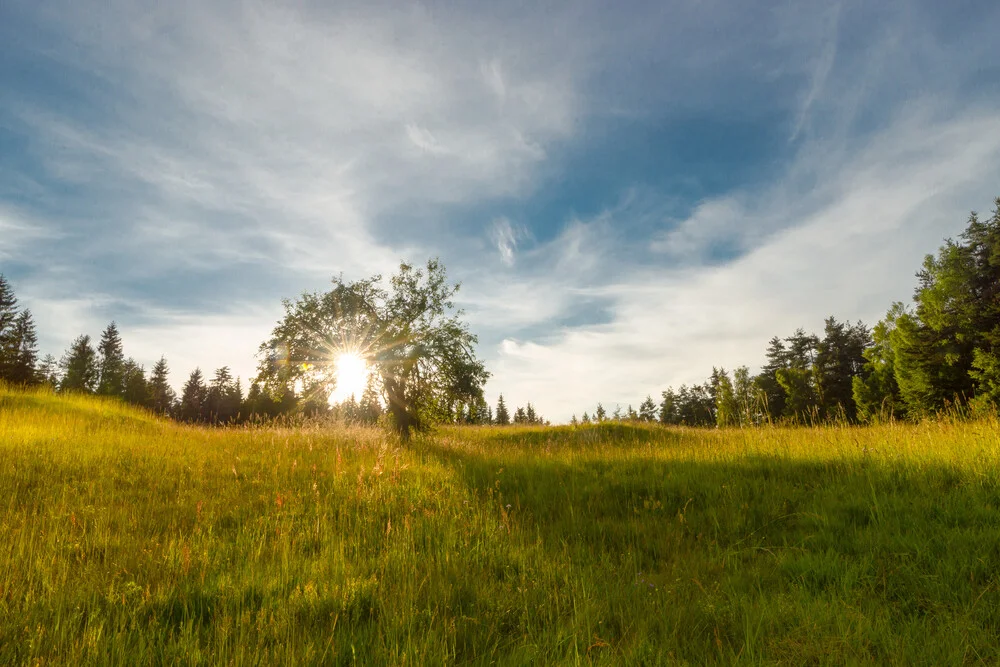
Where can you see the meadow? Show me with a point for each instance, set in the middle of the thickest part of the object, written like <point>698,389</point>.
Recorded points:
<point>127,539</point>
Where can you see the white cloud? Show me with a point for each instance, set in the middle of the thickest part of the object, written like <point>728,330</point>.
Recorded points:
<point>848,249</point>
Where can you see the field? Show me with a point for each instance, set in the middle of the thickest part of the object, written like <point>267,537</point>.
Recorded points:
<point>126,539</point>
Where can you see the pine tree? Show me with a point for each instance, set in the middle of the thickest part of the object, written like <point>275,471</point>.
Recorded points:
<point>502,417</point>
<point>161,395</point>
<point>111,365</point>
<point>8,334</point>
<point>192,404</point>
<point>647,410</point>
<point>48,371</point>
<point>585,419</point>
<point>668,408</point>
<point>600,415</point>
<point>24,351</point>
<point>224,397</point>
<point>530,414</point>
<point>519,416</point>
<point>79,366</point>
<point>135,389</point>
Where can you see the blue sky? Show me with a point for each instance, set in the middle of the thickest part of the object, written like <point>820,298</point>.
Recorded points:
<point>630,193</point>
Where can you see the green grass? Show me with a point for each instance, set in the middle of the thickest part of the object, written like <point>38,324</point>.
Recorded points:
<point>129,540</point>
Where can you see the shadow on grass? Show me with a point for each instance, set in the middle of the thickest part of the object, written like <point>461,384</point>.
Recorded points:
<point>907,545</point>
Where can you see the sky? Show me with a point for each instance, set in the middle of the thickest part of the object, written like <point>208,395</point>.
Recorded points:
<point>629,193</point>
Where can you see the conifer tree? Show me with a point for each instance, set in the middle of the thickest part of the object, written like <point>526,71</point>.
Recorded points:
<point>193,396</point>
<point>8,334</point>
<point>48,371</point>
<point>79,366</point>
<point>134,386</point>
<point>600,415</point>
<point>161,394</point>
<point>111,364</point>
<point>647,410</point>
<point>502,417</point>
<point>23,357</point>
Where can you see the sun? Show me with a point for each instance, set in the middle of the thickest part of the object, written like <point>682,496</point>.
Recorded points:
<point>351,372</point>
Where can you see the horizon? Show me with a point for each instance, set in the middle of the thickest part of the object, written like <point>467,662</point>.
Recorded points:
<point>629,198</point>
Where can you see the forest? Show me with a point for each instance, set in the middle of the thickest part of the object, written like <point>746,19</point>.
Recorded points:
<point>939,352</point>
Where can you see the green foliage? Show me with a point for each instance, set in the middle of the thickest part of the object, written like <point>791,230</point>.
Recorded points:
<point>943,350</point>
<point>132,540</point>
<point>79,367</point>
<point>423,355</point>
<point>727,410</point>
<point>111,363</point>
<point>161,395</point>
<point>502,417</point>
<point>18,340</point>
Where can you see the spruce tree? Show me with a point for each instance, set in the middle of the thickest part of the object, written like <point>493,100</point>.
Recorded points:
<point>161,395</point>
<point>647,411</point>
<point>79,367</point>
<point>23,361</point>
<point>8,335</point>
<point>48,371</point>
<point>192,403</point>
<point>111,365</point>
<point>502,417</point>
<point>135,389</point>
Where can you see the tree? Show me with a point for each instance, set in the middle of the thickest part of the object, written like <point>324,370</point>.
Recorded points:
<point>161,395</point>
<point>669,408</point>
<point>135,389</point>
<point>8,333</point>
<point>502,417</point>
<point>600,414</point>
<point>193,397</point>
<point>946,348</point>
<point>747,399</point>
<point>79,366</point>
<point>530,414</point>
<point>875,391</point>
<point>520,417</point>
<point>727,410</point>
<point>647,410</point>
<point>839,359</point>
<point>22,357</point>
<point>423,355</point>
<point>585,419</point>
<point>223,398</point>
<point>48,371</point>
<point>111,365</point>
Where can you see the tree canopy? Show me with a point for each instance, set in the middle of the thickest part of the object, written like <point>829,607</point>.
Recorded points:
<point>409,335</point>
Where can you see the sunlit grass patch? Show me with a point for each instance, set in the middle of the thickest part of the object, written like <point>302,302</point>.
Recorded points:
<point>128,539</point>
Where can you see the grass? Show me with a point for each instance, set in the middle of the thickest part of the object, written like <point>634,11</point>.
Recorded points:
<point>129,540</point>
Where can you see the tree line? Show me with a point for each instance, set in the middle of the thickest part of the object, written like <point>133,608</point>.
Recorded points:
<point>940,352</point>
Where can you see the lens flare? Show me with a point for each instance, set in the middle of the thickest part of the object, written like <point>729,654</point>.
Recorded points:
<point>351,372</point>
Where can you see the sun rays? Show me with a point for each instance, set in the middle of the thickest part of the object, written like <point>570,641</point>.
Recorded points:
<point>351,373</point>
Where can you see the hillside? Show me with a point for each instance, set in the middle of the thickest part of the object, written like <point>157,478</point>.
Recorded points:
<point>131,540</point>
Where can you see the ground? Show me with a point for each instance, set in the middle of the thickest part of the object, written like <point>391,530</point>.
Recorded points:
<point>127,539</point>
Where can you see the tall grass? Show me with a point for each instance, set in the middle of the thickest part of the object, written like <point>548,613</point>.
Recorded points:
<point>129,540</point>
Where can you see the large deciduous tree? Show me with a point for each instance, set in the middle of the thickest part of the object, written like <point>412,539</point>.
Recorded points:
<point>408,333</point>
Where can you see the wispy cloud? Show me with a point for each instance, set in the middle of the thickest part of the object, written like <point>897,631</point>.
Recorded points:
<point>183,166</point>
